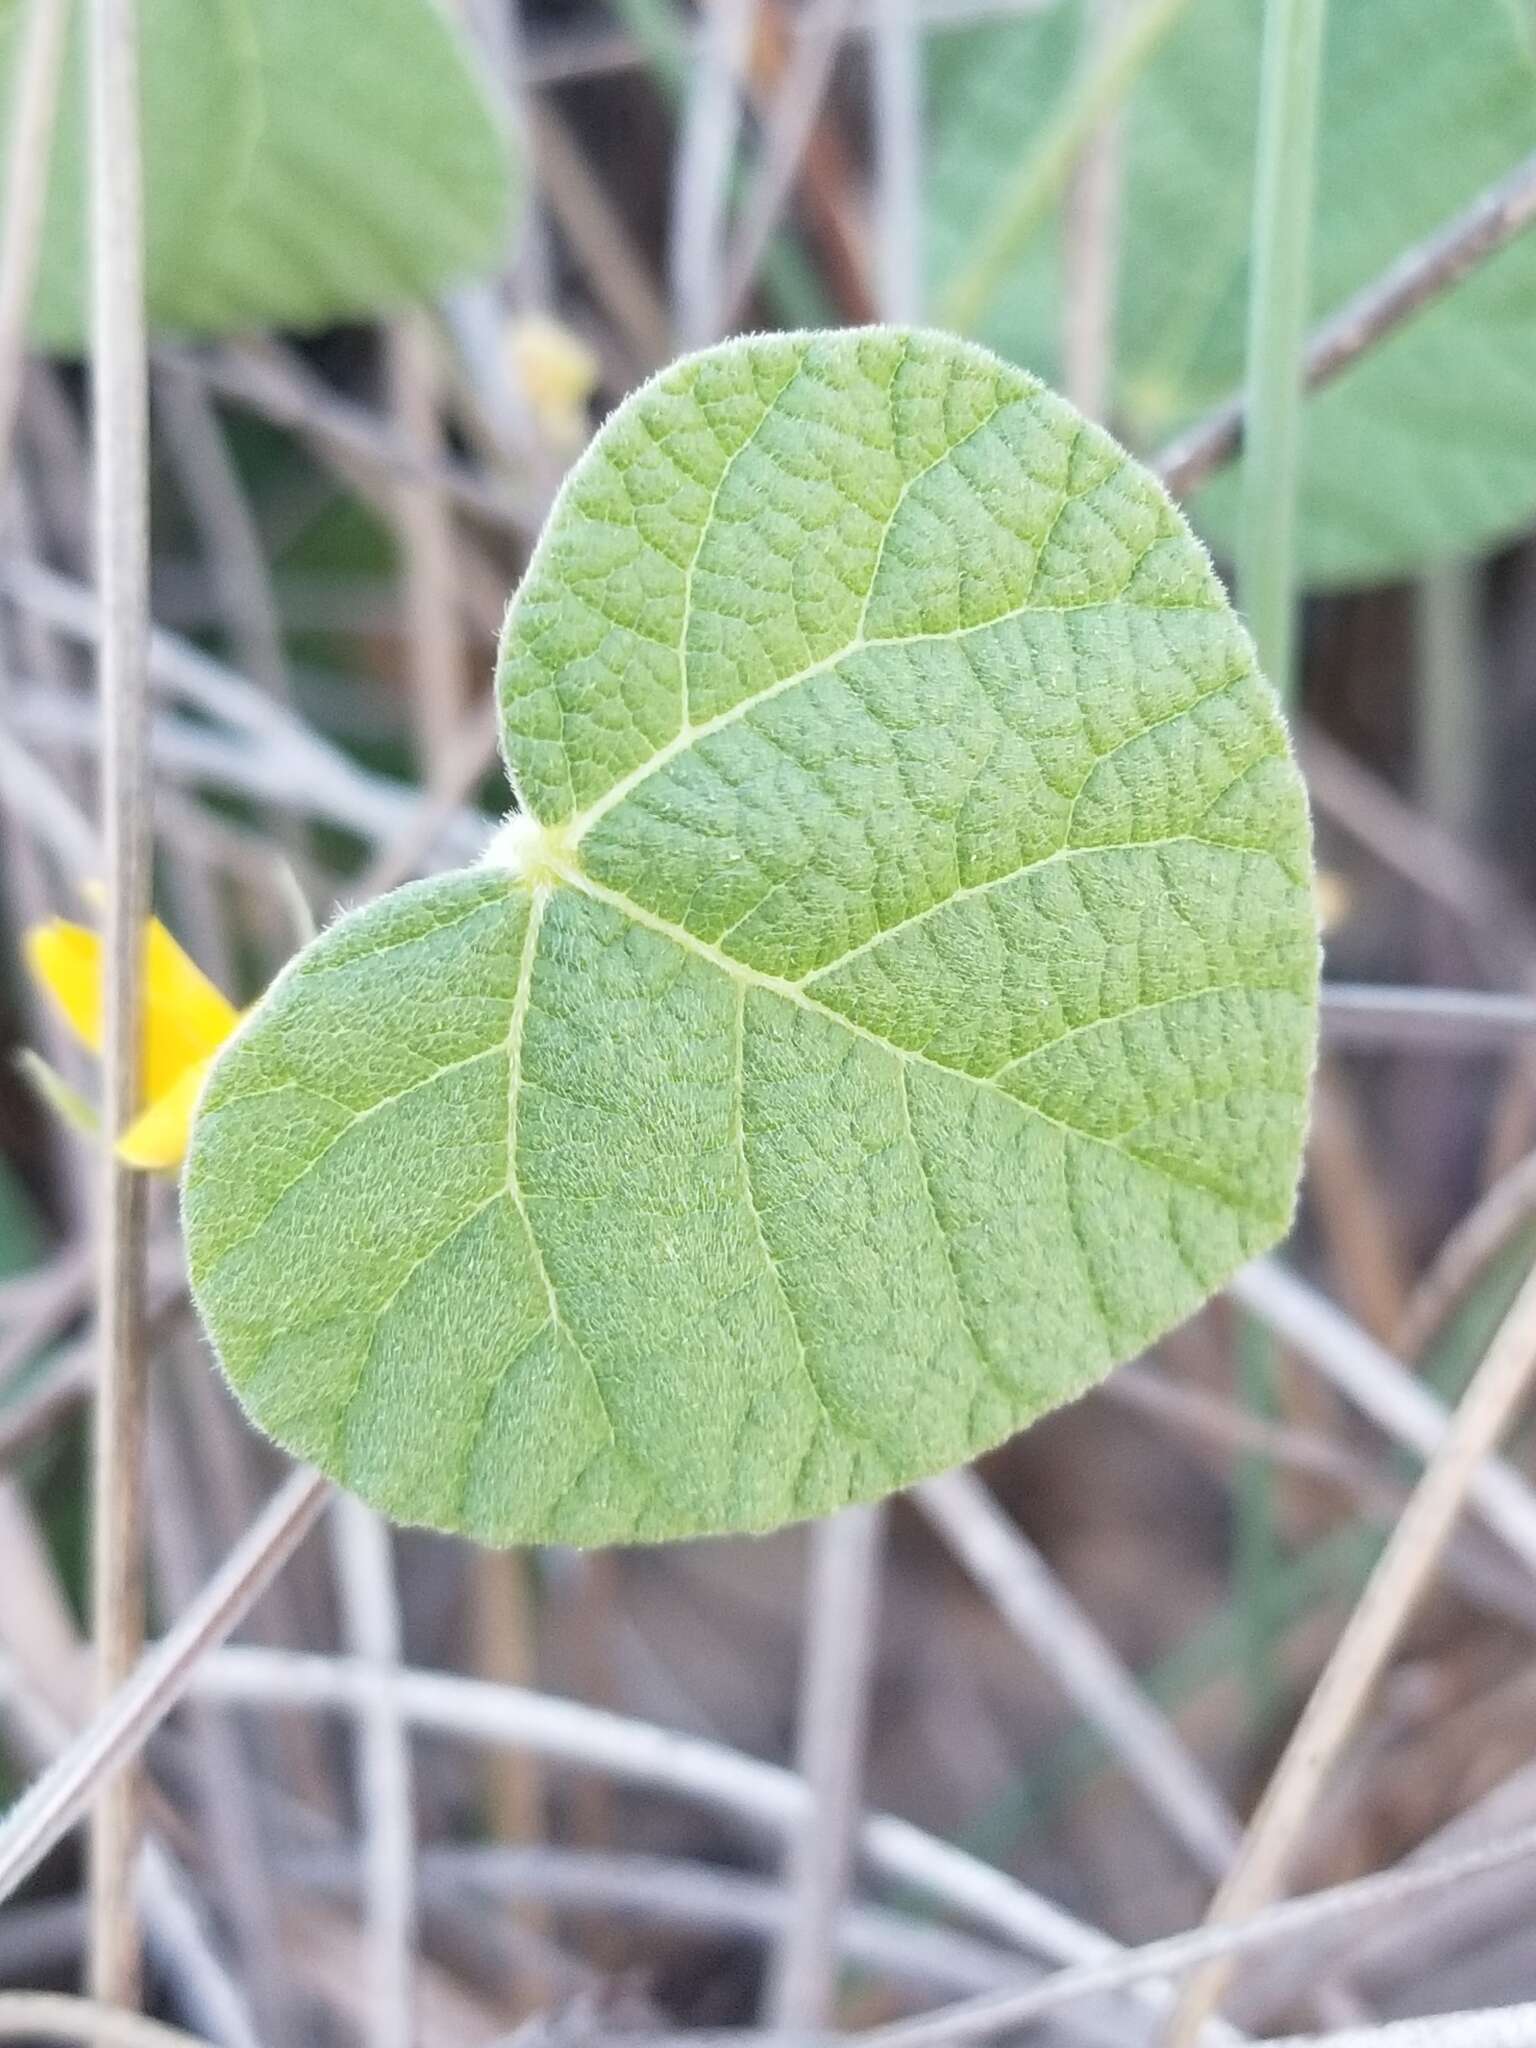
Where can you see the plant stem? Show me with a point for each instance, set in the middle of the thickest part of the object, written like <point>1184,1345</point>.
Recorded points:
<point>1392,1596</point>
<point>1266,577</point>
<point>1416,279</point>
<point>1277,316</point>
<point>121,426</point>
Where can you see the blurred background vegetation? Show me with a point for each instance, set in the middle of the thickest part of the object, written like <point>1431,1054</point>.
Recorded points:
<point>399,259</point>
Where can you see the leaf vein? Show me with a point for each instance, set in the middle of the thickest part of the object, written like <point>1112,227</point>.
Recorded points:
<point>792,992</point>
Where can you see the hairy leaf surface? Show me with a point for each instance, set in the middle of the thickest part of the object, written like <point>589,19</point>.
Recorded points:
<point>892,1006</point>
<point>1427,447</point>
<point>305,161</point>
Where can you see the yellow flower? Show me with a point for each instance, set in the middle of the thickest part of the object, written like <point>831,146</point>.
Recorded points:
<point>558,374</point>
<point>186,1020</point>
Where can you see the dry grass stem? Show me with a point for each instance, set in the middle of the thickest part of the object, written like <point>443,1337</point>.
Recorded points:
<point>424,530</point>
<point>117,1733</point>
<point>53,2016</point>
<point>121,454</point>
<point>1044,1615</point>
<point>788,126</point>
<point>842,1595</point>
<point>706,158</point>
<point>1398,1583</point>
<point>1483,1233</point>
<point>365,1571</point>
<point>1382,1387</point>
<point>637,1752</point>
<point>984,2018</point>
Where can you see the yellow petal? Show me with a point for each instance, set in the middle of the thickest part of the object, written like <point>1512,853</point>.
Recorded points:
<point>65,959</point>
<point>185,1017</point>
<point>188,1019</point>
<point>159,1137</point>
<point>557,370</point>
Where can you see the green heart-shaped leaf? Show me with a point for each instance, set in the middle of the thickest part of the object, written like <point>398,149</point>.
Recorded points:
<point>305,161</point>
<point>892,1006</point>
<point>1427,446</point>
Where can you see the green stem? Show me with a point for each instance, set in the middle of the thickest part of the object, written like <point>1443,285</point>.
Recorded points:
<point>1041,177</point>
<point>1278,306</point>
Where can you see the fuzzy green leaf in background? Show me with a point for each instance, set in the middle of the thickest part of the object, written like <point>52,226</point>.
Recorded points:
<point>1426,448</point>
<point>306,161</point>
<point>892,1005</point>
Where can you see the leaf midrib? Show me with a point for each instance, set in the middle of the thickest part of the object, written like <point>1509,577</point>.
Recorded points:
<point>789,991</point>
<point>577,826</point>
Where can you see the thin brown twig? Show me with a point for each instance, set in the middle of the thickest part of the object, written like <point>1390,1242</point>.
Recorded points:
<point>1417,279</point>
<point>505,1651</point>
<point>120,438</point>
<point>232,1836</point>
<point>1226,1427</point>
<point>789,121</point>
<point>65,1292</point>
<point>320,782</point>
<point>56,2016</point>
<point>991,2014</point>
<point>599,240</point>
<point>1380,1386</point>
<point>27,1419</point>
<point>1359,1237</point>
<point>39,800</point>
<point>1486,1580</point>
<point>1391,1597</point>
<point>42,1701</point>
<point>236,558</point>
<point>1283,1979</point>
<point>282,389</point>
<point>1450,1020</point>
<point>1481,1235</point>
<point>830,176</point>
<point>424,531</point>
<point>706,1896</point>
<point>117,1733</point>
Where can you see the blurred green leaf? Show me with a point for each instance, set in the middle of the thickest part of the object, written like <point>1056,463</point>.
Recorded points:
<point>306,161</point>
<point>1427,447</point>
